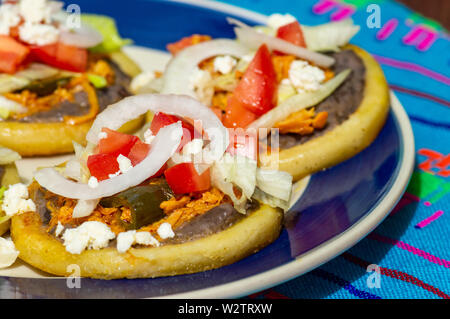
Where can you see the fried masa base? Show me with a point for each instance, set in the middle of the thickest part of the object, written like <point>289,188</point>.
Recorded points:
<point>41,139</point>
<point>45,252</point>
<point>347,139</point>
<point>10,177</point>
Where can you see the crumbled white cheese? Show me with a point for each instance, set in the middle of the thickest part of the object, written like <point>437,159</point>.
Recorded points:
<point>277,20</point>
<point>114,175</point>
<point>9,18</point>
<point>93,182</point>
<point>102,135</point>
<point>127,239</point>
<point>89,235</point>
<point>36,11</point>
<point>39,34</point>
<point>305,77</point>
<point>248,57</point>
<point>59,229</point>
<point>124,163</point>
<point>148,136</point>
<point>193,147</point>
<point>165,231</point>
<point>224,64</point>
<point>146,239</point>
<point>141,80</point>
<point>8,253</point>
<point>15,200</point>
<point>201,83</point>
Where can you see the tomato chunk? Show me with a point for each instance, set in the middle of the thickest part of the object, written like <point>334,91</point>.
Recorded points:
<point>256,91</point>
<point>161,119</point>
<point>102,165</point>
<point>236,115</point>
<point>61,56</point>
<point>116,143</point>
<point>138,152</point>
<point>183,178</point>
<point>292,33</point>
<point>243,143</point>
<point>176,47</point>
<point>12,54</point>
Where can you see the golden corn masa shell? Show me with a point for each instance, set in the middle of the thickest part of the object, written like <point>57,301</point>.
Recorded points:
<point>347,139</point>
<point>10,177</point>
<point>41,139</point>
<point>45,252</point>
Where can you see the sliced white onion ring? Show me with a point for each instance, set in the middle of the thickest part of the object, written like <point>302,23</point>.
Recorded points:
<point>114,116</point>
<point>181,67</point>
<point>253,39</point>
<point>163,147</point>
<point>82,37</point>
<point>84,208</point>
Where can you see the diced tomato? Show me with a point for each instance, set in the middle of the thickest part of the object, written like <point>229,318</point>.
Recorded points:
<point>14,31</point>
<point>161,119</point>
<point>116,143</point>
<point>243,143</point>
<point>256,91</point>
<point>138,152</point>
<point>218,112</point>
<point>176,47</point>
<point>101,165</point>
<point>12,54</point>
<point>62,56</point>
<point>160,172</point>
<point>183,178</point>
<point>293,33</point>
<point>236,115</point>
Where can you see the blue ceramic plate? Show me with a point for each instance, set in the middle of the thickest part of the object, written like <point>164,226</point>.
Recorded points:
<point>338,208</point>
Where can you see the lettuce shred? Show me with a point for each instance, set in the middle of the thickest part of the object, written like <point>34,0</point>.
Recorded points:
<point>112,41</point>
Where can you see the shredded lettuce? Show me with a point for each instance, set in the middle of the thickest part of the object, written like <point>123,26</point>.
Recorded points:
<point>266,30</point>
<point>323,37</point>
<point>329,36</point>
<point>275,183</point>
<point>3,216</point>
<point>220,178</point>
<point>112,41</point>
<point>8,156</point>
<point>299,102</point>
<point>97,80</point>
<point>285,91</point>
<point>2,192</point>
<point>226,82</point>
<point>270,200</point>
<point>236,172</point>
<point>81,154</point>
<point>9,83</point>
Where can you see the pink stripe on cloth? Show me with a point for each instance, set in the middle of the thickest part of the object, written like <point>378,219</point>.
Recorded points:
<point>413,67</point>
<point>411,249</point>
<point>430,219</point>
